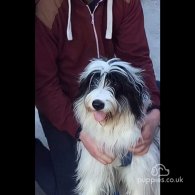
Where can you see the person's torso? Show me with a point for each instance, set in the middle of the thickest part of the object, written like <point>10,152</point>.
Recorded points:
<point>88,31</point>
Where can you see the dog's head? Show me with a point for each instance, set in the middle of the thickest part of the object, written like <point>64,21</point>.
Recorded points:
<point>112,88</point>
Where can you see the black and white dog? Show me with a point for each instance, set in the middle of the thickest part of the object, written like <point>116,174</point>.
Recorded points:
<point>111,107</point>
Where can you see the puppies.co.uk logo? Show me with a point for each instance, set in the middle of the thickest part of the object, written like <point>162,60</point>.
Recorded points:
<point>160,173</point>
<point>159,170</point>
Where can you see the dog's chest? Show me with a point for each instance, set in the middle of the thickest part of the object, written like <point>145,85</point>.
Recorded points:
<point>114,138</point>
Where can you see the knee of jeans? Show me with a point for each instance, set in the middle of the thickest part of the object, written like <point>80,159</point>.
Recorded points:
<point>44,174</point>
<point>43,189</point>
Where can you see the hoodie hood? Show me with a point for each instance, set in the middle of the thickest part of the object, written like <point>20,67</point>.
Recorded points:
<point>108,34</point>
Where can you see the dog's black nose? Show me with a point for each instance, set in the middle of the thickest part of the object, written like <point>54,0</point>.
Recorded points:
<point>98,104</point>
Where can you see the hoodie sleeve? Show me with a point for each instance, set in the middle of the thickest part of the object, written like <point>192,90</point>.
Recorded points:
<point>49,97</point>
<point>131,45</point>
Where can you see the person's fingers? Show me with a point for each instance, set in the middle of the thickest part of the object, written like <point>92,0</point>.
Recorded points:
<point>140,143</point>
<point>101,161</point>
<point>142,152</point>
<point>137,148</point>
<point>106,158</point>
<point>147,133</point>
<point>102,157</point>
<point>92,148</point>
<point>142,149</point>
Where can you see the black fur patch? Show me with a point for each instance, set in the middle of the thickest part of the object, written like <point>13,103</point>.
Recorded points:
<point>123,87</point>
<point>89,83</point>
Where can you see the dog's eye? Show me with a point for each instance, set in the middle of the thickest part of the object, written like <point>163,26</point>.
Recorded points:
<point>93,85</point>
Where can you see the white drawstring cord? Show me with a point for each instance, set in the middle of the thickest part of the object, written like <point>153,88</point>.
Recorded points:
<point>109,19</point>
<point>69,28</point>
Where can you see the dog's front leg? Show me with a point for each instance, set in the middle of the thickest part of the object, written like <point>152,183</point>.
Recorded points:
<point>91,175</point>
<point>90,185</point>
<point>89,190</point>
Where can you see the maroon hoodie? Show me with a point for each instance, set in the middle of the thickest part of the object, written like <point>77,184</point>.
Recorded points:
<point>68,35</point>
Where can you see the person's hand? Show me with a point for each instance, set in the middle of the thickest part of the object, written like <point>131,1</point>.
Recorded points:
<point>92,148</point>
<point>151,122</point>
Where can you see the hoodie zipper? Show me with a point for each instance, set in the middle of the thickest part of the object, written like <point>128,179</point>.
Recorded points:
<point>94,29</point>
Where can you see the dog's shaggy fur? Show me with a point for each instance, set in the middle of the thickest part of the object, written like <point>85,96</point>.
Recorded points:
<point>110,108</point>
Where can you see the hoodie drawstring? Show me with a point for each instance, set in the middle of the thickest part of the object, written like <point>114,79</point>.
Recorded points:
<point>69,27</point>
<point>109,21</point>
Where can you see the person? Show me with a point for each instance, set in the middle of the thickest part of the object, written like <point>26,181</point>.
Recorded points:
<point>68,34</point>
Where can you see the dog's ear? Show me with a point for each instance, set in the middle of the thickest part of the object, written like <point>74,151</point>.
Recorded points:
<point>139,95</point>
<point>135,98</point>
<point>84,85</point>
<point>134,90</point>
